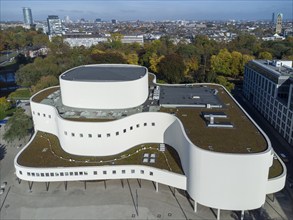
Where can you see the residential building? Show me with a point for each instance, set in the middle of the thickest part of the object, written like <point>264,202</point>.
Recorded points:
<point>99,123</point>
<point>268,85</point>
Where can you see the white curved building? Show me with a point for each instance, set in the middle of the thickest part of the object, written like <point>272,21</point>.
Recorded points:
<point>115,122</point>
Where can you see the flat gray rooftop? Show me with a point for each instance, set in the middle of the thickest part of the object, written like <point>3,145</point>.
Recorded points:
<point>188,95</point>
<point>282,70</point>
<point>104,73</point>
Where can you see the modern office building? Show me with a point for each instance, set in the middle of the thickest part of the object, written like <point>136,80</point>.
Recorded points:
<point>27,16</point>
<point>112,121</point>
<point>54,25</point>
<point>279,23</point>
<point>269,87</point>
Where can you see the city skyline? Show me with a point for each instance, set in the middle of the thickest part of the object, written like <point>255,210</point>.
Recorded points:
<point>148,10</point>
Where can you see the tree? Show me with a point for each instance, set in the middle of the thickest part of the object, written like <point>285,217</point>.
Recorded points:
<point>154,61</point>
<point>191,65</point>
<point>109,57</point>
<point>245,59</point>
<point>221,63</point>
<point>205,48</point>
<point>265,55</point>
<point>132,58</point>
<point>172,68</point>
<point>245,43</point>
<point>18,126</point>
<point>115,41</point>
<point>4,106</point>
<point>236,63</point>
<point>223,81</point>
<point>44,82</point>
<point>58,47</point>
<point>40,40</point>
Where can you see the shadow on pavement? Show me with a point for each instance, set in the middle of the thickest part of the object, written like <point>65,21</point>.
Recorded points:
<point>2,151</point>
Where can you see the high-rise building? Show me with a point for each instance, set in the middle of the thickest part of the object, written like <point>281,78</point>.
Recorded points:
<point>268,85</point>
<point>27,16</point>
<point>273,18</point>
<point>279,23</point>
<point>54,25</point>
<point>114,21</point>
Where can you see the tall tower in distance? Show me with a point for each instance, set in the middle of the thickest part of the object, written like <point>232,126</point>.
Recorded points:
<point>273,18</point>
<point>27,16</point>
<point>279,23</point>
<point>54,25</point>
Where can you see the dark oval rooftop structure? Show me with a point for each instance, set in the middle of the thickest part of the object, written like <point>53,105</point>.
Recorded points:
<point>104,73</point>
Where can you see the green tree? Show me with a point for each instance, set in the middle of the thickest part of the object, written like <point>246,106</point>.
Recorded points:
<point>4,106</point>
<point>44,82</point>
<point>172,68</point>
<point>205,48</point>
<point>18,126</point>
<point>115,41</point>
<point>265,55</point>
<point>154,61</point>
<point>245,59</point>
<point>223,81</point>
<point>109,57</point>
<point>221,63</point>
<point>40,40</point>
<point>236,63</point>
<point>245,44</point>
<point>132,58</point>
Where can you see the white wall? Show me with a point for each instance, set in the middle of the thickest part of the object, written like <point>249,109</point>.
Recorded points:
<point>104,95</point>
<point>131,172</point>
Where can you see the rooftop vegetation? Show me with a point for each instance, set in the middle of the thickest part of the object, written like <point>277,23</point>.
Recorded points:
<point>243,138</point>
<point>45,151</point>
<point>44,94</point>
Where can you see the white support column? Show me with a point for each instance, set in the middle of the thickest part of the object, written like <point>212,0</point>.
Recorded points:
<point>218,215</point>
<point>157,187</point>
<point>242,215</point>
<point>195,206</point>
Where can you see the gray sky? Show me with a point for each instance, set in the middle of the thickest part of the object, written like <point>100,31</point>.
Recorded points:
<point>147,9</point>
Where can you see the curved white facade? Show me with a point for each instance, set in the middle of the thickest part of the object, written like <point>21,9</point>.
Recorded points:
<point>104,94</point>
<point>219,180</point>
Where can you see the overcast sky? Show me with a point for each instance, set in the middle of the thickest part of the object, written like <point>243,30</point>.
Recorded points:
<point>11,10</point>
